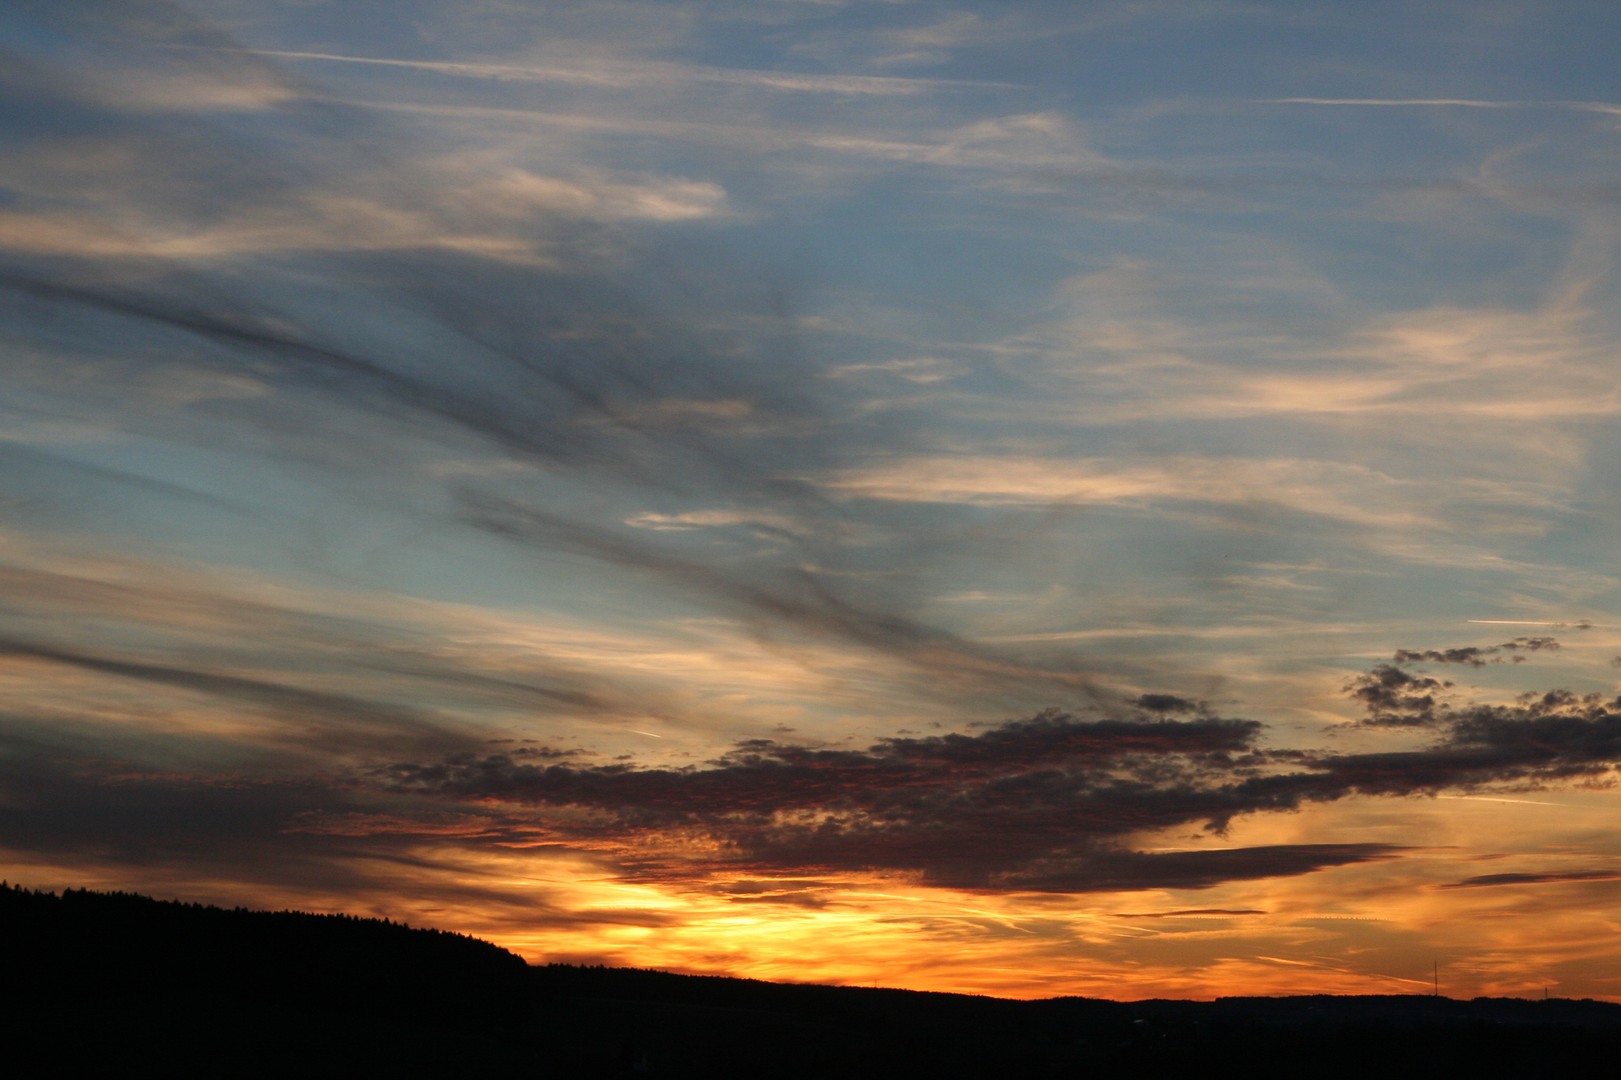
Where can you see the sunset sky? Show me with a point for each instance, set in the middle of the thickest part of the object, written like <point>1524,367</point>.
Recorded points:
<point>1029,498</point>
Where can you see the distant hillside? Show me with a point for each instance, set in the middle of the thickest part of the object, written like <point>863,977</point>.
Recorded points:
<point>119,983</point>
<point>809,1030</point>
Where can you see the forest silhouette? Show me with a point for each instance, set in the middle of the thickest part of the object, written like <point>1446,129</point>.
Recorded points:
<point>118,983</point>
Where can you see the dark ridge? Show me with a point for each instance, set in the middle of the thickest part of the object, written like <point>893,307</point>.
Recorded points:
<point>115,983</point>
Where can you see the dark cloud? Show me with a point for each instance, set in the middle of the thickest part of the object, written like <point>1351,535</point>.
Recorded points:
<point>1478,655</point>
<point>1547,738</point>
<point>765,777</point>
<point>1164,703</point>
<point>1557,733</point>
<point>1396,697</point>
<point>1048,804</point>
<point>1024,806</point>
<point>1474,657</point>
<point>1548,878</point>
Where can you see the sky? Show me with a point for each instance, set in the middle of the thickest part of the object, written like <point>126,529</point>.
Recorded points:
<point>1029,498</point>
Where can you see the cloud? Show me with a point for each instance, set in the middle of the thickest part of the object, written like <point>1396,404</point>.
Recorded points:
<point>381,225</point>
<point>1346,492</point>
<point>1394,696</point>
<point>1191,913</point>
<point>1023,806</point>
<point>643,74</point>
<point>315,710</point>
<point>1164,703</point>
<point>75,815</point>
<point>1546,878</point>
<point>604,197</point>
<point>117,60</point>
<point>1128,871</point>
<point>66,800</point>
<point>1478,655</point>
<point>1048,806</point>
<point>908,37</point>
<point>1604,107</point>
<point>1162,342</point>
<point>1010,144</point>
<point>29,468</point>
<point>790,597</point>
<point>372,196</point>
<point>542,396</point>
<point>142,644</point>
<point>1054,803</point>
<point>716,519</point>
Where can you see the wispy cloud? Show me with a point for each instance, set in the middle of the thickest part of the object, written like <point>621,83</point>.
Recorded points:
<point>641,75</point>
<point>1459,103</point>
<point>1329,489</point>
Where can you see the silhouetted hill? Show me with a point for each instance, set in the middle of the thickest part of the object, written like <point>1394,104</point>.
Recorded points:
<point>119,944</point>
<point>125,984</point>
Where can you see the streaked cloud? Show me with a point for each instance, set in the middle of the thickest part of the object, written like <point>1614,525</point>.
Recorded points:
<point>1304,486</point>
<point>1483,881</point>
